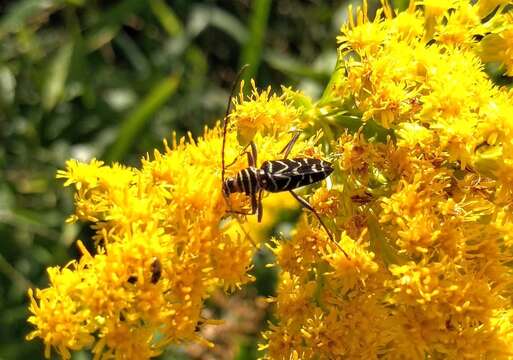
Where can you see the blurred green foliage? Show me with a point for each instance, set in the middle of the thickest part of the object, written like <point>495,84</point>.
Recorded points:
<point>110,79</point>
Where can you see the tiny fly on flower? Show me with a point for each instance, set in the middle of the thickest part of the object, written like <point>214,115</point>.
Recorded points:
<point>273,175</point>
<point>156,271</point>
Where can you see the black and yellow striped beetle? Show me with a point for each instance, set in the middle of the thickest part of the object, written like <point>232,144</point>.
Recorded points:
<point>273,175</point>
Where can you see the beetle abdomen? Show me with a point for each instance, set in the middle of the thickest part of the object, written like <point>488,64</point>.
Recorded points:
<point>289,174</point>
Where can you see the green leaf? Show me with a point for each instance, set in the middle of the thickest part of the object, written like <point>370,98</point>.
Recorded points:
<point>133,53</point>
<point>337,76</point>
<point>401,5</point>
<point>380,245</point>
<point>203,16</point>
<point>55,81</point>
<point>488,160</point>
<point>131,127</point>
<point>166,17</point>
<point>293,67</point>
<point>252,51</point>
<point>7,86</point>
<point>111,21</point>
<point>20,11</point>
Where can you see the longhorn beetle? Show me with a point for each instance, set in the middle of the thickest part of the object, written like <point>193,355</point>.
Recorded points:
<point>273,175</point>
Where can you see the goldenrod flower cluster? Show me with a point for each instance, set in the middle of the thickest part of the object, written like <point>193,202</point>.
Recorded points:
<point>163,242</point>
<point>420,201</point>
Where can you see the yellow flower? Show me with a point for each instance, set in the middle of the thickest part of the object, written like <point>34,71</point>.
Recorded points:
<point>326,202</point>
<point>451,306</point>
<point>348,271</point>
<point>429,204</point>
<point>58,320</point>
<point>418,206</point>
<point>154,264</point>
<point>363,36</point>
<point>459,27</point>
<point>263,113</point>
<point>274,206</point>
<point>486,6</point>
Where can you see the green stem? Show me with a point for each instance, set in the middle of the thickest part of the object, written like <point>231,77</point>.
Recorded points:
<point>131,127</point>
<point>13,274</point>
<point>252,51</point>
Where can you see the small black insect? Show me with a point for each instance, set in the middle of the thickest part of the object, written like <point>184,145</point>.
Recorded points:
<point>274,176</point>
<point>199,324</point>
<point>156,271</point>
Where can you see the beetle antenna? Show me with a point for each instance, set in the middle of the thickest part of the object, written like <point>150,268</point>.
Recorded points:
<point>225,120</point>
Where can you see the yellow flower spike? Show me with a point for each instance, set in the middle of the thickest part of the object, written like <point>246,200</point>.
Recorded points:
<point>327,202</point>
<point>460,27</point>
<point>448,119</point>
<point>78,173</point>
<point>294,295</point>
<point>448,306</point>
<point>408,25</point>
<point>298,254</point>
<point>486,6</point>
<point>155,263</point>
<point>348,272</point>
<point>274,205</point>
<point>263,112</point>
<point>434,13</point>
<point>59,321</point>
<point>123,342</point>
<point>350,327</point>
<point>236,252</point>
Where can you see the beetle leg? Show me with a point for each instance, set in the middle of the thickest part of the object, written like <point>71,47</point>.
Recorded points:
<point>260,210</point>
<point>286,150</point>
<point>254,203</point>
<point>306,205</point>
<point>253,153</point>
<point>241,152</point>
<point>252,156</point>
<point>233,162</point>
